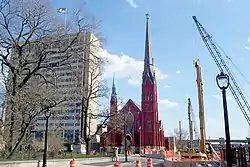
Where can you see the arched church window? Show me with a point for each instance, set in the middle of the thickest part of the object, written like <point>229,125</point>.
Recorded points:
<point>151,97</point>
<point>146,107</point>
<point>130,121</point>
<point>149,125</point>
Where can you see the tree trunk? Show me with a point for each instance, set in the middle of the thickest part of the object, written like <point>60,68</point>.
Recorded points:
<point>87,141</point>
<point>17,144</point>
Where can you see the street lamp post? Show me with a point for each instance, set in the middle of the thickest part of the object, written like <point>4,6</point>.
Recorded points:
<point>223,83</point>
<point>47,115</point>
<point>125,137</point>
<point>140,139</point>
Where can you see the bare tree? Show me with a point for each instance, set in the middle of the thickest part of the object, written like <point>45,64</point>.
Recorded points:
<point>95,90</point>
<point>115,124</point>
<point>181,137</point>
<point>29,35</point>
<point>55,145</point>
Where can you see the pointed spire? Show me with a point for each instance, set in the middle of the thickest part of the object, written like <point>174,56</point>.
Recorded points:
<point>148,72</point>
<point>113,86</point>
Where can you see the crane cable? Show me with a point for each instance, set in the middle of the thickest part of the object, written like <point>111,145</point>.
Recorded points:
<point>234,65</point>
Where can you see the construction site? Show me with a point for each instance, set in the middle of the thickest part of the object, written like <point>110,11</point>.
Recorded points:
<point>197,151</point>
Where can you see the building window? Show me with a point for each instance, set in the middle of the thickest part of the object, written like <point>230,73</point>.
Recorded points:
<point>61,134</point>
<point>77,135</point>
<point>68,135</point>
<point>130,121</point>
<point>149,140</point>
<point>69,124</point>
<point>149,125</point>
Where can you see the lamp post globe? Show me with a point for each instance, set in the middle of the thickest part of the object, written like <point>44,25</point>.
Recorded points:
<point>222,80</point>
<point>47,113</point>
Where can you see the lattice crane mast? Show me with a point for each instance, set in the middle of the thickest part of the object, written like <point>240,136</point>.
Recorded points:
<point>192,126</point>
<point>196,131</point>
<point>222,66</point>
<point>191,132</point>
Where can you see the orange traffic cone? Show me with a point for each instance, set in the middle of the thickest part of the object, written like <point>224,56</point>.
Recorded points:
<point>117,164</point>
<point>72,163</point>
<point>138,163</point>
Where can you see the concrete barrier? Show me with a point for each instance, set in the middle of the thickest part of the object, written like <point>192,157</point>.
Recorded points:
<point>53,163</point>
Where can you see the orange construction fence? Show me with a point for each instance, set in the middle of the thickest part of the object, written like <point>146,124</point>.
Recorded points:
<point>169,154</point>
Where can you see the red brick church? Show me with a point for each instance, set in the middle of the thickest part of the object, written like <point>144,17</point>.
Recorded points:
<point>143,128</point>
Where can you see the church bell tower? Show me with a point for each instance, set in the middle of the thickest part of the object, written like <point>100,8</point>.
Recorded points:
<point>149,104</point>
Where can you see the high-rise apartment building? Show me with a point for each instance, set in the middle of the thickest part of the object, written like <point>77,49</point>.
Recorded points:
<point>71,81</point>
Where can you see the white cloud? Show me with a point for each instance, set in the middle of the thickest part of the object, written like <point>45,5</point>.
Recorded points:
<point>219,96</point>
<point>167,86</point>
<point>132,3</point>
<point>126,67</point>
<point>133,82</point>
<point>178,72</point>
<point>247,46</point>
<point>165,103</point>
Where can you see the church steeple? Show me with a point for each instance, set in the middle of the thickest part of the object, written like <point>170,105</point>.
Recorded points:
<point>113,99</point>
<point>148,72</point>
<point>113,86</point>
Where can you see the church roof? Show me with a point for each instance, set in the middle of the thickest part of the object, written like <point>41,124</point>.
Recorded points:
<point>137,105</point>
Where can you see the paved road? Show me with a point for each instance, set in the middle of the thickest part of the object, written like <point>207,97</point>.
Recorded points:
<point>131,163</point>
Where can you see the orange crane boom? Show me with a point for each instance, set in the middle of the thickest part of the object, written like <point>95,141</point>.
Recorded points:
<point>201,108</point>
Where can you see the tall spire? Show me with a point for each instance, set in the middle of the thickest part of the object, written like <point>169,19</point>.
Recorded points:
<point>113,86</point>
<point>148,73</point>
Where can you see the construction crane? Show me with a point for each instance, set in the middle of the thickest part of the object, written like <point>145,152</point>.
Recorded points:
<point>191,134</point>
<point>201,108</point>
<point>195,129</point>
<point>194,144</point>
<point>222,66</point>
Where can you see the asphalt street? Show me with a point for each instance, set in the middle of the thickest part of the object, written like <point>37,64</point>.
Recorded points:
<point>130,163</point>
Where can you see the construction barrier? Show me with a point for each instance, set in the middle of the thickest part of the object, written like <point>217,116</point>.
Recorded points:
<point>149,162</point>
<point>117,164</point>
<point>138,163</point>
<point>142,153</point>
<point>72,163</point>
<point>169,154</point>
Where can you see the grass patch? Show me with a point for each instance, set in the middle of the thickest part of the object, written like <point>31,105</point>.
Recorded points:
<point>39,156</point>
